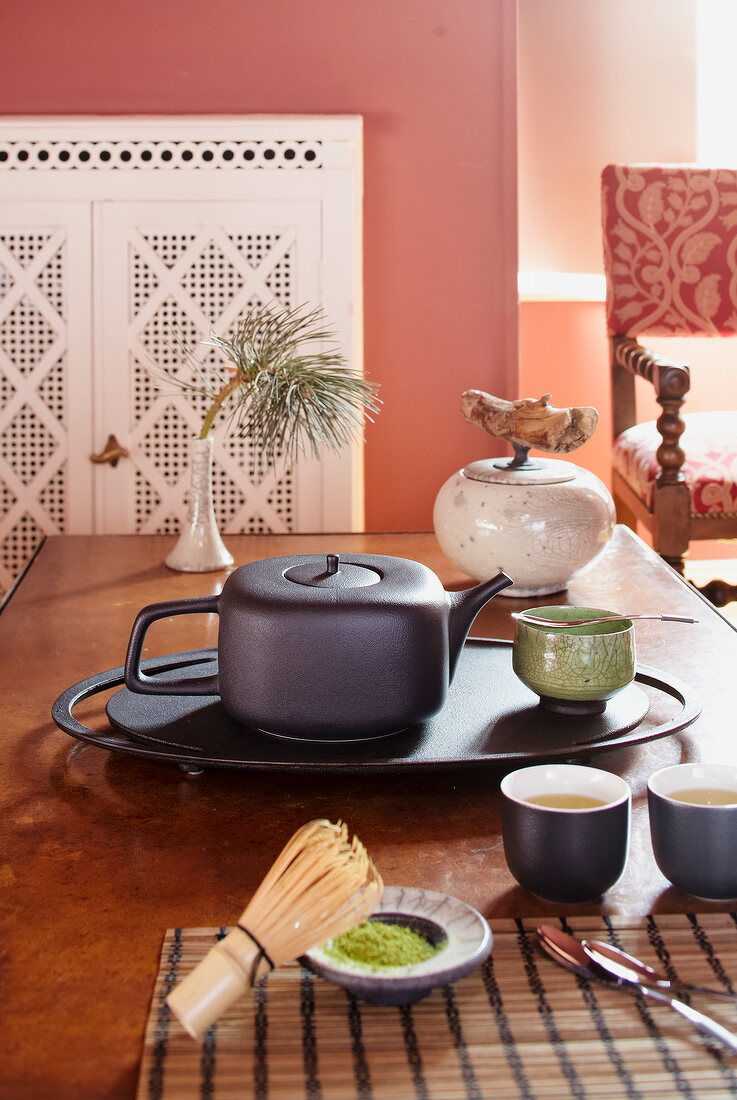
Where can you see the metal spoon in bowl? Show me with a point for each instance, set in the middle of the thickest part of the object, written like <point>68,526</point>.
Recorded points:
<point>569,952</point>
<point>539,620</point>
<point>628,967</point>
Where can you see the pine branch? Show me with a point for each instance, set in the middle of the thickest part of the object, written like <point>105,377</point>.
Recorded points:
<point>278,388</point>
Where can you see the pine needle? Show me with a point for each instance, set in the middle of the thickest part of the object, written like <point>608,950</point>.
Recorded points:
<point>284,384</point>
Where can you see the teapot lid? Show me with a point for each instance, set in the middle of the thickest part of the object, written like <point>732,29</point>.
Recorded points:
<point>336,574</point>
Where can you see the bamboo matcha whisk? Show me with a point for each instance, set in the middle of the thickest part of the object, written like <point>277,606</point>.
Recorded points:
<point>321,885</point>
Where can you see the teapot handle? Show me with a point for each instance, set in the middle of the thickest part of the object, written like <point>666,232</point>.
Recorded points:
<point>137,680</point>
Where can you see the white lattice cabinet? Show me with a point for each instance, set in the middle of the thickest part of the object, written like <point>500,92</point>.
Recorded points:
<point>113,232</point>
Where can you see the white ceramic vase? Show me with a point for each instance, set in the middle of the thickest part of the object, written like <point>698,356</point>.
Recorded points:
<point>199,548</point>
<point>540,525</point>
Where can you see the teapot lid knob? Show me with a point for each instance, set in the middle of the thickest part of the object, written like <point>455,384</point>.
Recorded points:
<point>331,572</point>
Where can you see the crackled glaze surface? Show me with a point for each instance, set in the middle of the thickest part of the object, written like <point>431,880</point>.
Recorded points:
<point>582,663</point>
<point>540,532</point>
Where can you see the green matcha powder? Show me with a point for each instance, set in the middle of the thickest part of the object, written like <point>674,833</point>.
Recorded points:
<point>375,945</point>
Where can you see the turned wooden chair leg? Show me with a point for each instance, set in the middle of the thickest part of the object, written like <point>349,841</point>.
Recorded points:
<point>676,562</point>
<point>720,593</point>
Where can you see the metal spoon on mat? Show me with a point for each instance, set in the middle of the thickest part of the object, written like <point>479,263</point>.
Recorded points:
<point>569,952</point>
<point>622,965</point>
<point>539,620</point>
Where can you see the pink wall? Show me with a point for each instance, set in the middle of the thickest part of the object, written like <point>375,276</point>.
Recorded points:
<point>600,82</point>
<point>435,83</point>
<point>563,351</point>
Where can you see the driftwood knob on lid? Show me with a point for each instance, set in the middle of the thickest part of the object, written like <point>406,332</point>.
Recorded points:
<point>530,423</point>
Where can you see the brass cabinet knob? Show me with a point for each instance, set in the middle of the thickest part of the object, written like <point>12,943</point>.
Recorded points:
<point>111,453</point>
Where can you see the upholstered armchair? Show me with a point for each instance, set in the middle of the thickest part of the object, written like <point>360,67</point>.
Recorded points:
<point>670,248</point>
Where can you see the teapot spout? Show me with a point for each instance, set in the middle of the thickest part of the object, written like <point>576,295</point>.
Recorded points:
<point>464,607</point>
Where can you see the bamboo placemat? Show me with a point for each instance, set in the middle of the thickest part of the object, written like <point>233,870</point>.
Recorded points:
<point>519,1027</point>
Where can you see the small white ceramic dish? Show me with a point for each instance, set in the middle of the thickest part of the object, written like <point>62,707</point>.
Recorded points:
<point>460,933</point>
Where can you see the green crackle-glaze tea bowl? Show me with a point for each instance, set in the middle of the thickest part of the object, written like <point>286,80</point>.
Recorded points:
<point>574,669</point>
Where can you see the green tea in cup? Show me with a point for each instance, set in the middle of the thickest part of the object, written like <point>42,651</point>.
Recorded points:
<point>566,801</point>
<point>706,796</point>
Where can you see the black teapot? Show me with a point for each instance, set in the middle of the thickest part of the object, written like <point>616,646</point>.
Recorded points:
<point>324,648</point>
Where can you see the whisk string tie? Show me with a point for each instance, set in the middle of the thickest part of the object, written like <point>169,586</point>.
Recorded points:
<point>262,954</point>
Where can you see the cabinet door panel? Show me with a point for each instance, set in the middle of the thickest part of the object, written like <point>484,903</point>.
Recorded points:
<point>45,377</point>
<point>193,266</point>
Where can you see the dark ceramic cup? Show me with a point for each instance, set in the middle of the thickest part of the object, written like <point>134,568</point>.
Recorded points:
<point>569,852</point>
<point>695,845</point>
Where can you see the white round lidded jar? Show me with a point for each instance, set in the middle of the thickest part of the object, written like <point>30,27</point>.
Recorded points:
<point>540,523</point>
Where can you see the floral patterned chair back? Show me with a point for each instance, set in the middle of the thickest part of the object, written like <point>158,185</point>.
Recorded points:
<point>670,259</point>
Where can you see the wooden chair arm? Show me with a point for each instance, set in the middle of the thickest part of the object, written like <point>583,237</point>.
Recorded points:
<point>671,381</point>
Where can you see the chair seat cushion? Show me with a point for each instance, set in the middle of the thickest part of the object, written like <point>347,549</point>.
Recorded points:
<point>710,469</point>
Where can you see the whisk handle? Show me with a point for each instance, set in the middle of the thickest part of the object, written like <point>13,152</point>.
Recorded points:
<point>228,969</point>
<point>137,680</point>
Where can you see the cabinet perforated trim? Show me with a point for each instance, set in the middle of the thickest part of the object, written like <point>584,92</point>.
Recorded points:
<point>151,156</point>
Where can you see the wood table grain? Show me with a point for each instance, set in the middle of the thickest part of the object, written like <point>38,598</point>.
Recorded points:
<point>100,853</point>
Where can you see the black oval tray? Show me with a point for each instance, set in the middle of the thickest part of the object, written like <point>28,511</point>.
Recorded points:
<point>489,717</point>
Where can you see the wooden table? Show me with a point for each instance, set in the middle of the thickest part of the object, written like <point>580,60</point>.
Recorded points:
<point>101,853</point>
